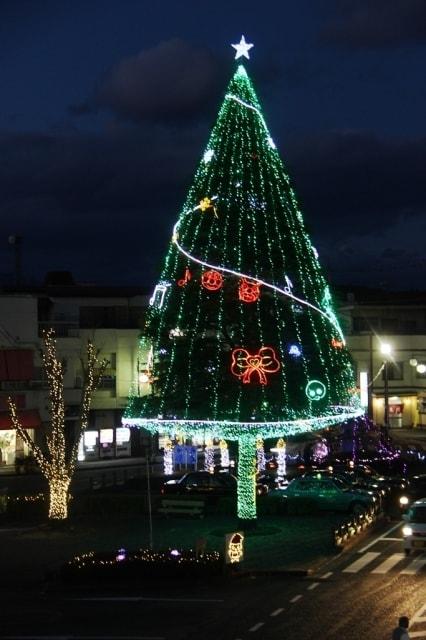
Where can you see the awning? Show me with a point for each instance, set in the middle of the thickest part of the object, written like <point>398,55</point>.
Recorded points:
<point>16,364</point>
<point>29,418</point>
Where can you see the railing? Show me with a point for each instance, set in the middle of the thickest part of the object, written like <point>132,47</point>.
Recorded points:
<point>62,328</point>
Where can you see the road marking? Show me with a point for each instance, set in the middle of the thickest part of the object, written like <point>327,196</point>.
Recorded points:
<point>277,612</point>
<point>389,563</point>
<point>392,539</point>
<point>361,562</point>
<point>326,575</point>
<point>380,537</point>
<point>256,627</point>
<point>141,599</point>
<point>414,566</point>
<point>314,585</point>
<point>296,598</point>
<point>418,617</point>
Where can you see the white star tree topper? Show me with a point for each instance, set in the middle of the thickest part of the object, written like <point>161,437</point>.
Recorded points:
<point>242,48</point>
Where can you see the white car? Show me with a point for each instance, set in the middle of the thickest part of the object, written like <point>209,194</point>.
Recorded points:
<point>414,530</point>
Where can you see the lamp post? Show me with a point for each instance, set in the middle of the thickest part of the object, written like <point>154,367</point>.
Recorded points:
<point>386,351</point>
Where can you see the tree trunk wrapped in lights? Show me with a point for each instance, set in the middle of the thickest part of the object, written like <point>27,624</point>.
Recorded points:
<point>245,341</point>
<point>57,461</point>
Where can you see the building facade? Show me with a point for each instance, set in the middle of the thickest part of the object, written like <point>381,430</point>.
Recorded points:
<point>373,319</point>
<point>112,319</point>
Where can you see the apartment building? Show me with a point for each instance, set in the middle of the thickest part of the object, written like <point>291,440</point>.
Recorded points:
<point>375,322</point>
<point>112,319</point>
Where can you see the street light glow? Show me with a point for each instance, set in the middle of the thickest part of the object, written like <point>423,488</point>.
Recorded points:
<point>421,368</point>
<point>385,348</point>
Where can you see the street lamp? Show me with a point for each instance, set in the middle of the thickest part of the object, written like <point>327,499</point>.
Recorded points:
<point>386,351</point>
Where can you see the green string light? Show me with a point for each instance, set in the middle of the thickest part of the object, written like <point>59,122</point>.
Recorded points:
<point>250,225</point>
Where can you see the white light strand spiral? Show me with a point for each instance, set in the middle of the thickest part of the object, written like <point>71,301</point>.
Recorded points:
<point>287,290</point>
<point>238,274</point>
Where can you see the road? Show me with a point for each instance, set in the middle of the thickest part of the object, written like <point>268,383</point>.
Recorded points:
<point>359,594</point>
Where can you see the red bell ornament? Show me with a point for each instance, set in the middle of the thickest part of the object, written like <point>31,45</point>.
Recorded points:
<point>248,290</point>
<point>212,280</point>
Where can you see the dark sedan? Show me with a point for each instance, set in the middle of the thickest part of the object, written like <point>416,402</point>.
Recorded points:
<point>204,483</point>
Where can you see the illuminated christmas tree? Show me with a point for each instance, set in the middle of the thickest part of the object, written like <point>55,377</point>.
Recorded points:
<point>245,341</point>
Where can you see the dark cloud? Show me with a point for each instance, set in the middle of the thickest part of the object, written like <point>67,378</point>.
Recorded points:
<point>357,179</point>
<point>364,202</point>
<point>102,206</point>
<point>376,23</point>
<point>171,82</point>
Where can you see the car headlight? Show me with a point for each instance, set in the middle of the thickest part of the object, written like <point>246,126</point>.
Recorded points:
<point>407,531</point>
<point>403,501</point>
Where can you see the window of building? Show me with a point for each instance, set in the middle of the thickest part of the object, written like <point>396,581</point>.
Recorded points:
<point>390,325</point>
<point>395,371</point>
<point>114,317</point>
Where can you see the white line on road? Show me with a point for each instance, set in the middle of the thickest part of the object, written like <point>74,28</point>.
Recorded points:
<point>361,562</point>
<point>414,566</point>
<point>389,563</point>
<point>418,616</point>
<point>141,599</point>
<point>256,627</point>
<point>277,612</point>
<point>380,537</point>
<point>326,575</point>
<point>314,585</point>
<point>392,539</point>
<point>296,598</point>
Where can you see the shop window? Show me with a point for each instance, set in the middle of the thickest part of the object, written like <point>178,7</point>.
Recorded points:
<point>395,371</point>
<point>106,382</point>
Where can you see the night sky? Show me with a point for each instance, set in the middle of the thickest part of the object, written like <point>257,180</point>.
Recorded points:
<point>106,109</point>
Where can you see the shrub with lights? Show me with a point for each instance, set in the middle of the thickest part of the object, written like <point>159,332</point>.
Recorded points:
<point>142,564</point>
<point>245,341</point>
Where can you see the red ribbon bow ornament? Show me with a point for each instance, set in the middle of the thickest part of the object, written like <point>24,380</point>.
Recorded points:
<point>245,364</point>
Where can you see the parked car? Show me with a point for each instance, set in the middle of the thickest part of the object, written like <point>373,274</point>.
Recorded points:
<point>414,490</point>
<point>330,494</point>
<point>365,476</point>
<point>204,483</point>
<point>414,530</point>
<point>352,482</point>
